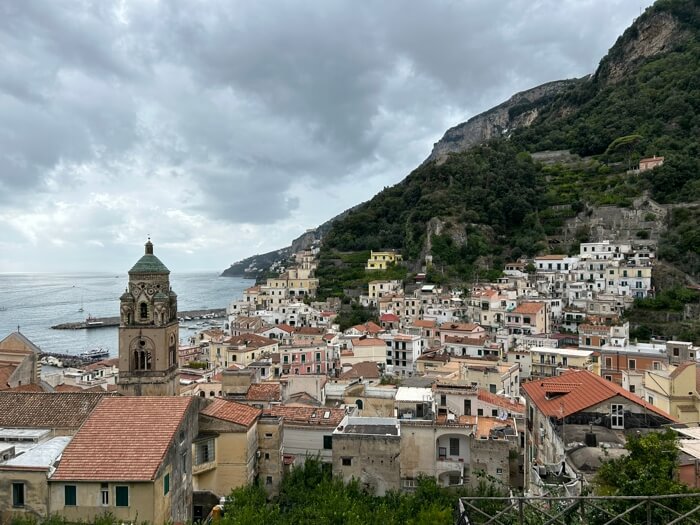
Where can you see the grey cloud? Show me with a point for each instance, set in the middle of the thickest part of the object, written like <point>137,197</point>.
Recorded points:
<point>243,101</point>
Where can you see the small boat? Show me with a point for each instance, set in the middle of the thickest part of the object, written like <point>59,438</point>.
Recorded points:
<point>95,353</point>
<point>93,321</point>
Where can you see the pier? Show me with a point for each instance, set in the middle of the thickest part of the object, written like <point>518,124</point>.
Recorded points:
<point>106,322</point>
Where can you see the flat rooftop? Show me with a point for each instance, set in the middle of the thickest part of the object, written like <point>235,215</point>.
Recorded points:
<point>369,426</point>
<point>42,456</point>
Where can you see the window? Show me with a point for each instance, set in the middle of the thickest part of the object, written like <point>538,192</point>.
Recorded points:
<point>443,400</point>
<point>166,484</point>
<point>69,496</point>
<point>632,364</point>
<point>327,442</point>
<point>121,495</point>
<point>347,462</point>
<point>268,480</point>
<point>454,446</point>
<point>608,362</point>
<point>18,494</point>
<point>499,471</point>
<point>632,389</point>
<point>492,388</point>
<point>676,352</point>
<point>480,412</point>
<point>608,378</point>
<point>143,310</point>
<point>494,412</point>
<point>104,494</point>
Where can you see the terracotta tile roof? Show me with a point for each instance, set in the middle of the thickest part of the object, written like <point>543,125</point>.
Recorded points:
<point>368,341</point>
<point>284,326</point>
<point>600,329</point>
<point>309,330</point>
<point>249,341</point>
<point>389,318</point>
<point>46,410</point>
<point>551,257</point>
<point>365,369</point>
<point>124,439</point>
<point>308,416</point>
<point>475,341</point>
<point>232,412</point>
<point>264,392</point>
<point>577,390</point>
<point>529,308</point>
<point>368,327</point>
<point>425,323</point>
<point>493,399</point>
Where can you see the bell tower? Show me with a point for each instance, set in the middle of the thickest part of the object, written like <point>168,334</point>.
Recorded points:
<point>148,331</point>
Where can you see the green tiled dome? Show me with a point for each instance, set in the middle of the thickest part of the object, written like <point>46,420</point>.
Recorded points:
<point>149,263</point>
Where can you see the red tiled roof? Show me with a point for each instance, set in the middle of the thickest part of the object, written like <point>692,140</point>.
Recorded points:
<point>250,341</point>
<point>475,341</point>
<point>264,392</point>
<point>308,416</point>
<point>578,390</point>
<point>551,257</point>
<point>389,318</point>
<point>369,327</point>
<point>493,399</point>
<point>309,330</point>
<point>124,439</point>
<point>232,412</point>
<point>529,308</point>
<point>368,341</point>
<point>425,323</point>
<point>365,369</point>
<point>46,410</point>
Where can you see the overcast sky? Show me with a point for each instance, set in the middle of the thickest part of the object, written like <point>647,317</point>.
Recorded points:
<point>225,128</point>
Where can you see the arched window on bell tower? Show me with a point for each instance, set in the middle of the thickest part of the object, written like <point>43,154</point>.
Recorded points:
<point>141,356</point>
<point>143,311</point>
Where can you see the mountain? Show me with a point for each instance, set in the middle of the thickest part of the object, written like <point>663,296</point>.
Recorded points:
<point>258,265</point>
<point>550,167</point>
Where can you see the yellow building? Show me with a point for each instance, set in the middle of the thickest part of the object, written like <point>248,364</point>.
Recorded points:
<point>381,260</point>
<point>674,391</point>
<point>548,362</point>
<point>240,350</point>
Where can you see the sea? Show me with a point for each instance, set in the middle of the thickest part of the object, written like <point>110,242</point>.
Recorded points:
<point>34,302</point>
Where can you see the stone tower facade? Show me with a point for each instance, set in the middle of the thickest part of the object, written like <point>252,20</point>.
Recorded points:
<point>148,331</point>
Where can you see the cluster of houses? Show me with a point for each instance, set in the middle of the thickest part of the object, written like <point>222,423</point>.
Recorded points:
<point>529,382</point>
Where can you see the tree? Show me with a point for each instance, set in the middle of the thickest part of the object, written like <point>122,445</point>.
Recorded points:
<point>650,468</point>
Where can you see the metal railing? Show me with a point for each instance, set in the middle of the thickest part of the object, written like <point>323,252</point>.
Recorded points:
<point>667,509</point>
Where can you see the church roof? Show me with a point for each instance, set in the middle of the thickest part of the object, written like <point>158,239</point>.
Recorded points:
<point>149,263</point>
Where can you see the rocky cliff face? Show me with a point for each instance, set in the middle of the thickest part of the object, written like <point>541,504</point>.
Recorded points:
<point>517,112</point>
<point>649,36</point>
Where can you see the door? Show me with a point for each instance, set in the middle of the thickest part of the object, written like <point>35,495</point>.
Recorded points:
<point>467,407</point>
<point>617,417</point>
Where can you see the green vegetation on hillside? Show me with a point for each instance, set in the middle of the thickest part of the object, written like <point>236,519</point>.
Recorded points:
<point>339,271</point>
<point>501,205</point>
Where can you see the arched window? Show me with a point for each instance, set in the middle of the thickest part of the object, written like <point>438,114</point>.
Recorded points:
<point>359,404</point>
<point>144,310</point>
<point>201,393</point>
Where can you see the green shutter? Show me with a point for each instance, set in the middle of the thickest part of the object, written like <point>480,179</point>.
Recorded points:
<point>70,496</point>
<point>122,496</point>
<point>166,484</point>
